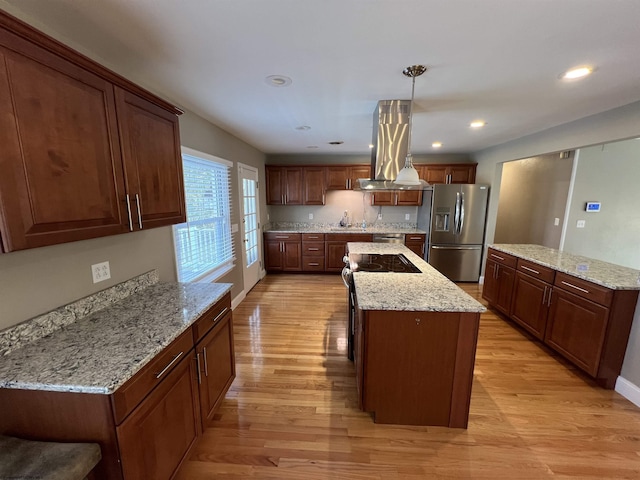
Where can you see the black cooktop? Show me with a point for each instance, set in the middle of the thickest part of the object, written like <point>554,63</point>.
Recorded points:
<point>377,262</point>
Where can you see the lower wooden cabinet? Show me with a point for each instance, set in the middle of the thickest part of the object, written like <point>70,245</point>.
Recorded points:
<point>336,248</point>
<point>530,304</point>
<point>576,329</point>
<point>283,252</point>
<point>416,243</point>
<point>215,359</point>
<point>586,323</point>
<point>155,439</point>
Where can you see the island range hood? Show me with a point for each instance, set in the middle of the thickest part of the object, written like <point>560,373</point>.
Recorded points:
<point>391,132</point>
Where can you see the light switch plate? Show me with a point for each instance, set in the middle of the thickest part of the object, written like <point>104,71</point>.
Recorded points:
<point>311,216</point>
<point>407,216</point>
<point>379,216</point>
<point>556,221</point>
<point>100,272</point>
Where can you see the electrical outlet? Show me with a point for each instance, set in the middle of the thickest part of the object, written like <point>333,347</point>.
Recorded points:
<point>407,216</point>
<point>100,272</point>
<point>311,216</point>
<point>556,221</point>
<point>379,216</point>
<point>580,224</point>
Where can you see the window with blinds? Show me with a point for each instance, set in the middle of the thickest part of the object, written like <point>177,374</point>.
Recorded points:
<point>204,246</point>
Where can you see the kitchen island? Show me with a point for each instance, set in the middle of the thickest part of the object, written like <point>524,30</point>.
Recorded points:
<point>415,342</point>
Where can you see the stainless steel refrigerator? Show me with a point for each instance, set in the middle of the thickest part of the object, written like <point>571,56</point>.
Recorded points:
<point>456,233</point>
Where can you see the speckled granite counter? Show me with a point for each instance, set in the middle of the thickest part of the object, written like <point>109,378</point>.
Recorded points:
<point>405,228</point>
<point>99,352</point>
<point>615,277</point>
<point>427,291</point>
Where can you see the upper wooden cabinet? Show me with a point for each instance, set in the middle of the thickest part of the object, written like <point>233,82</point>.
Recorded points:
<point>150,140</point>
<point>344,177</point>
<point>75,142</point>
<point>448,173</point>
<point>284,185</point>
<point>313,191</point>
<point>397,198</point>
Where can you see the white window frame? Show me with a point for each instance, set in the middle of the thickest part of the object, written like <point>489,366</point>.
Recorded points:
<point>218,271</point>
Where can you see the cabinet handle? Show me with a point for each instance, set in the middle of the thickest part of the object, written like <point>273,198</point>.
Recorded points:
<point>198,368</point>
<point>530,269</point>
<point>129,212</point>
<point>314,264</point>
<point>163,371</point>
<point>396,199</point>
<point>286,237</point>
<point>285,199</point>
<point>549,299</point>
<point>544,296</point>
<point>574,286</point>
<point>313,249</point>
<point>497,256</point>
<point>423,249</point>
<point>139,212</point>
<point>204,357</point>
<point>495,271</point>
<point>220,314</point>
<point>323,202</point>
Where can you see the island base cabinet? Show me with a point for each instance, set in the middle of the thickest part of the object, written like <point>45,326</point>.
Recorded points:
<point>158,435</point>
<point>417,367</point>
<point>529,307</point>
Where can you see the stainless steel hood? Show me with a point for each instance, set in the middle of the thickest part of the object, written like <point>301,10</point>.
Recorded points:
<point>390,146</point>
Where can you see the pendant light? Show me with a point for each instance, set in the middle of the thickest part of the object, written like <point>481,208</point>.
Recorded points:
<point>409,175</point>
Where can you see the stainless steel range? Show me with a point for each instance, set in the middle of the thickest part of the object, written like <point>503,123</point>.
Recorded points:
<point>370,263</point>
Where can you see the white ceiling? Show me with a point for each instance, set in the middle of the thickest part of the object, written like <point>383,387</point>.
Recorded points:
<point>498,60</point>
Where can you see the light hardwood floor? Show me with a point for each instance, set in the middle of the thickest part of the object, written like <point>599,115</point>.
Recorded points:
<point>292,411</point>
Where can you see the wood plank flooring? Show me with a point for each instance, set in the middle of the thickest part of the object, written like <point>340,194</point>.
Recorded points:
<point>292,411</point>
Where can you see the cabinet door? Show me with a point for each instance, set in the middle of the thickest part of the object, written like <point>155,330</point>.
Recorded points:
<point>335,251</point>
<point>356,172</point>
<point>61,174</point>
<point>292,256</point>
<point>576,329</point>
<point>358,354</point>
<point>217,366</point>
<point>434,174</point>
<point>490,287</point>
<point>383,198</point>
<point>157,436</point>
<point>273,255</point>
<point>409,197</point>
<point>337,178</point>
<point>293,186</point>
<point>314,185</point>
<point>153,162</point>
<point>462,174</point>
<point>529,307</point>
<point>275,180</point>
<point>506,278</point>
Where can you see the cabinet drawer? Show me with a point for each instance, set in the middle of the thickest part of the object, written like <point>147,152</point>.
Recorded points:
<point>414,238</point>
<point>313,237</point>
<point>585,289</point>
<point>128,396</point>
<point>545,274</point>
<point>349,237</point>
<point>273,236</point>
<point>502,258</point>
<point>312,264</point>
<point>313,249</point>
<point>211,317</point>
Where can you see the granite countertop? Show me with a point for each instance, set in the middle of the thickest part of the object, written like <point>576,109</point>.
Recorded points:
<point>428,291</point>
<point>101,351</point>
<point>615,277</point>
<point>405,228</point>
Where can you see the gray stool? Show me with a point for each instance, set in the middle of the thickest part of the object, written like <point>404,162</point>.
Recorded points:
<point>46,460</point>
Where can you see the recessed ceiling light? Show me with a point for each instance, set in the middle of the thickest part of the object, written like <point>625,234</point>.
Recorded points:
<point>371,145</point>
<point>303,127</point>
<point>578,72</point>
<point>436,144</point>
<point>477,124</point>
<point>278,80</point>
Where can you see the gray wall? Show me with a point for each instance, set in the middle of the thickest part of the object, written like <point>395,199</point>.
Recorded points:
<point>321,159</point>
<point>617,124</point>
<point>533,194</point>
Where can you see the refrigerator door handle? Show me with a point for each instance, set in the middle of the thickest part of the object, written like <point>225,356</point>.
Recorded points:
<point>461,222</point>
<point>439,247</point>
<point>456,216</point>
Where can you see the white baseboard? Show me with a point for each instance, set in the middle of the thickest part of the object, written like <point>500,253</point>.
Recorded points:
<point>628,390</point>
<point>237,299</point>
